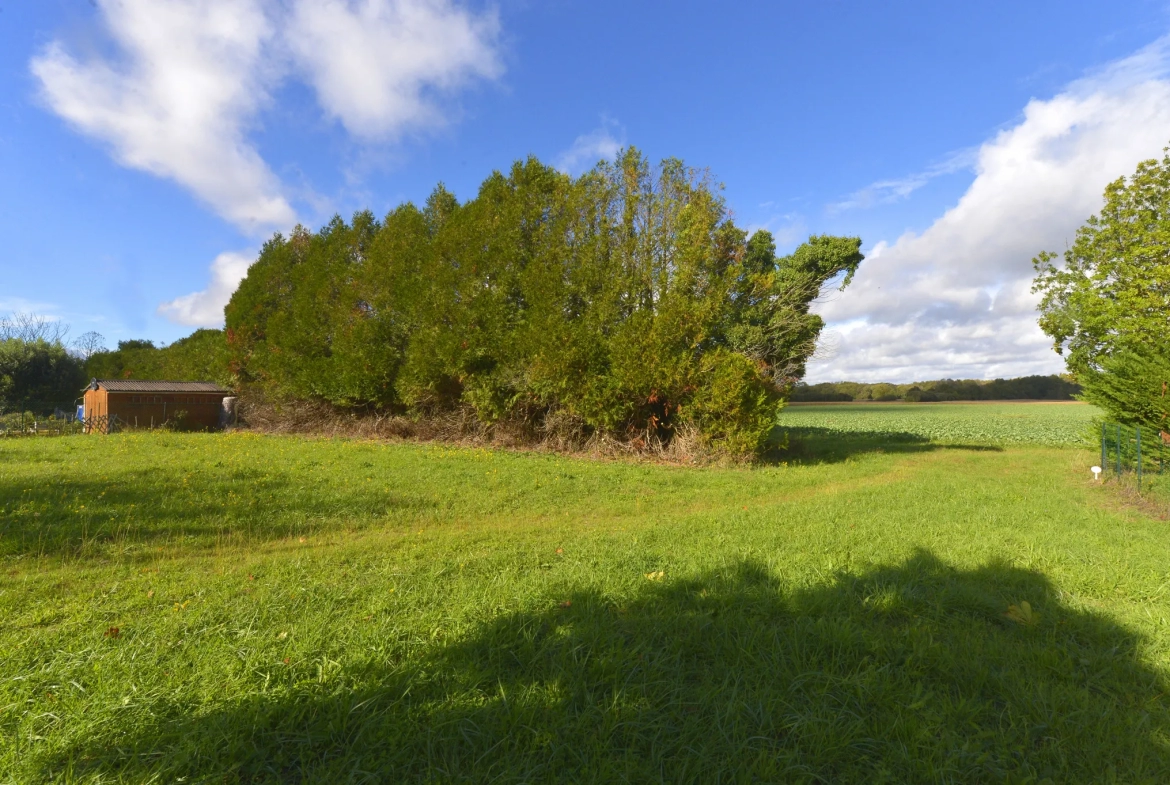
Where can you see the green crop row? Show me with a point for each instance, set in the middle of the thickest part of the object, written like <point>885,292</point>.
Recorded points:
<point>996,423</point>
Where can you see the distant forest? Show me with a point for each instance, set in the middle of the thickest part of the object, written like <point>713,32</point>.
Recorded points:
<point>1038,388</point>
<point>201,356</point>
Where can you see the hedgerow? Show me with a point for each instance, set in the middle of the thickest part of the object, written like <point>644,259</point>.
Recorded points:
<point>625,301</point>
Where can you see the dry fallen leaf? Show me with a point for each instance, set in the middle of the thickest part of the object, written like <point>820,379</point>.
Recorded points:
<point>566,603</point>
<point>112,632</point>
<point>150,594</point>
<point>560,550</point>
<point>1022,613</point>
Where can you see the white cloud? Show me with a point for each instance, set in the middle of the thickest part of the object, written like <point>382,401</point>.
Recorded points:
<point>176,102</point>
<point>890,191</point>
<point>377,64</point>
<point>205,308</point>
<point>592,147</point>
<point>189,78</point>
<point>955,300</point>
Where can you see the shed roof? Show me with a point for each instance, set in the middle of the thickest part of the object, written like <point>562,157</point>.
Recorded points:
<point>142,385</point>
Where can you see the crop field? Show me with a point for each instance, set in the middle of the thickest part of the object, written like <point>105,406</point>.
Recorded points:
<point>867,608</point>
<point>977,423</point>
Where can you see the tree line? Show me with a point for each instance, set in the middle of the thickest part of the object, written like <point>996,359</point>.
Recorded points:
<point>36,364</point>
<point>201,356</point>
<point>1037,388</point>
<point>623,302</point>
<point>40,369</point>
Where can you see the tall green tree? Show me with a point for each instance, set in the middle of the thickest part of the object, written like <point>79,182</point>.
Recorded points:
<point>38,372</point>
<point>625,300</point>
<point>1107,306</point>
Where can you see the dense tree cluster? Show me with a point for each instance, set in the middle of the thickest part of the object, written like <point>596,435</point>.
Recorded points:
<point>1107,307</point>
<point>201,356</point>
<point>1038,388</point>
<point>625,301</point>
<point>37,371</point>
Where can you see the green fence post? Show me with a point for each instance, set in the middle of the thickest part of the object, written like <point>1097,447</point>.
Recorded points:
<point>1119,451</point>
<point>1104,447</point>
<point>1138,432</point>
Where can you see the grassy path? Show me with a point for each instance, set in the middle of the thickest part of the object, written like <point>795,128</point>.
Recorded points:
<point>327,611</point>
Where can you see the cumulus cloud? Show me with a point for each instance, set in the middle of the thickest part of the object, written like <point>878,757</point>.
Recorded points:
<point>176,101</point>
<point>205,308</point>
<point>955,300</point>
<point>592,147</point>
<point>187,80</point>
<point>377,65</point>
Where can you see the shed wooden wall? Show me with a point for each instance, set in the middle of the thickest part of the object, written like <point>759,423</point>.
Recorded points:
<point>149,409</point>
<point>96,404</point>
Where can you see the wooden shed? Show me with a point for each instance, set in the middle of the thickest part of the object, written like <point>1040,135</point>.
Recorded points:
<point>150,404</point>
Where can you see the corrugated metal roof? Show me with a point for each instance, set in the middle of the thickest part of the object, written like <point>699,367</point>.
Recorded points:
<point>137,385</point>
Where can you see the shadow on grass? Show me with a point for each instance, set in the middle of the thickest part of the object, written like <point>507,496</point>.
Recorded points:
<point>813,445</point>
<point>140,509</point>
<point>906,673</point>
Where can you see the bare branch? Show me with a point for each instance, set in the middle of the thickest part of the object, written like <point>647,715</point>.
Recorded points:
<point>31,327</point>
<point>88,344</point>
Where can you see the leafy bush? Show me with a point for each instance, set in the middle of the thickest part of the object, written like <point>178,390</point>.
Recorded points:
<point>625,299</point>
<point>201,356</point>
<point>1132,386</point>
<point>38,370</point>
<point>736,407</point>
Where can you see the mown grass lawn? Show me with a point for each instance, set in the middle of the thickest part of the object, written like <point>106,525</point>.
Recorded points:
<point>237,608</point>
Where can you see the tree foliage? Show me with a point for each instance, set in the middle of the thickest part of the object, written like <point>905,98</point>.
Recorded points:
<point>201,356</point>
<point>1040,388</point>
<point>626,300</point>
<point>1133,386</point>
<point>38,372</point>
<point>1107,307</point>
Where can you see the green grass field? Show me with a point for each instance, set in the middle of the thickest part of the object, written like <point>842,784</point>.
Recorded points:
<point>238,608</point>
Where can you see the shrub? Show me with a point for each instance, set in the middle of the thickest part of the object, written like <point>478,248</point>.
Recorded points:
<point>38,370</point>
<point>625,299</point>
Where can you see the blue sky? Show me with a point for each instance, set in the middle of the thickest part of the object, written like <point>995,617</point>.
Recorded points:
<point>147,149</point>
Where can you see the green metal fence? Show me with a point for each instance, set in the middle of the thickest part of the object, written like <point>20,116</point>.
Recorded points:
<point>1131,450</point>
